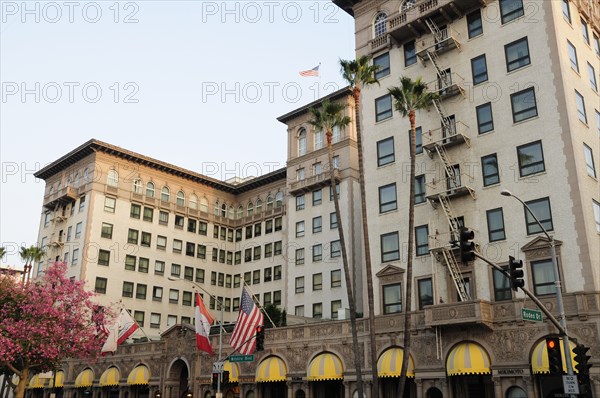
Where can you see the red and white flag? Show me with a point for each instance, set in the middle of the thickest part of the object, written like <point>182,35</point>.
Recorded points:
<point>120,331</point>
<point>203,322</point>
<point>249,318</point>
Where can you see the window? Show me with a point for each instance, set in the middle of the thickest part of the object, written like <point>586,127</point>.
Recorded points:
<point>150,190</point>
<point>392,299</point>
<point>161,242</point>
<point>110,203</point>
<point>335,248</point>
<point>130,262</point>
<point>299,310</point>
<point>335,306</point>
<point>202,228</point>
<point>247,255</point>
<point>154,320</point>
<point>573,56</point>
<point>146,239</point>
<point>531,158</point>
<point>541,209</point>
<point>186,299</point>
<point>589,161</point>
<point>103,257</point>
<point>191,225</point>
<point>190,249</point>
<point>580,107</point>
<point>255,277</point>
<point>317,252</point>
<point>317,197</point>
<point>135,211</point>
<point>425,287</point>
<point>419,140</point>
<point>422,240</point>
<point>383,62</point>
<point>337,191</point>
<point>333,220</point>
<point>317,224</point>
<point>566,10</point>
<point>148,214</point>
<point>175,270</point>
<point>257,229</point>
<point>268,274</point>
<point>47,218</point>
<point>510,10</point>
<point>302,142</point>
<point>177,246</point>
<point>299,229</point>
<point>596,207</point>
<point>495,223</point>
<point>132,236</point>
<point>140,291</point>
<point>596,44</point>
<point>383,108</point>
<point>489,168</point>
<point>379,26</point>
<point>199,275</point>
<point>165,194</point>
<point>419,189</point>
<point>278,223</point>
<point>474,24</point>
<point>249,231</point>
<point>300,202</point>
<point>336,278</point>
<point>592,74</point>
<point>502,286</point>
<point>112,179</point>
<point>318,140</point>
<point>107,230</point>
<point>385,151</point>
<point>317,310</point>
<point>410,54</point>
<point>523,105</point>
<point>387,198</point>
<point>299,256</point>
<point>390,249</point>
<point>543,277</point>
<point>300,174</point>
<point>257,252</point>
<point>127,289</point>
<point>278,248</point>
<point>238,258</point>
<point>100,286</point>
<point>174,296</point>
<point>180,198</point>
<point>584,31</point>
<point>268,250</point>
<point>277,272</point>
<point>78,228</point>
<point>159,267</point>
<point>517,54</point>
<point>157,293</point>
<point>300,284</point>
<point>479,69</point>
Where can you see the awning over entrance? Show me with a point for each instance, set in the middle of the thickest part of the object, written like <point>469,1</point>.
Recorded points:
<point>110,377</point>
<point>271,369</point>
<point>85,378</point>
<point>139,375</point>
<point>468,358</point>
<point>60,380</point>
<point>325,366</point>
<point>234,371</point>
<point>539,357</point>
<point>37,382</point>
<point>389,363</point>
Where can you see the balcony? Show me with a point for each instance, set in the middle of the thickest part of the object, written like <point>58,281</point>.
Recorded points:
<point>381,42</point>
<point>450,187</point>
<point>310,183</point>
<point>60,197</point>
<point>476,312</point>
<point>449,40</point>
<point>448,86</point>
<point>441,240</point>
<point>446,137</point>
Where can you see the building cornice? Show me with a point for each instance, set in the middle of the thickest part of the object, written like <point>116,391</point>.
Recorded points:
<point>344,92</point>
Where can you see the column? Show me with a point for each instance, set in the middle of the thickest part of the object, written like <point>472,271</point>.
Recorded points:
<point>419,383</point>
<point>290,389</point>
<point>497,386</point>
<point>446,387</point>
<point>368,388</point>
<point>347,392</point>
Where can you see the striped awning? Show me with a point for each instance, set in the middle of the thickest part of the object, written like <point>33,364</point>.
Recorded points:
<point>139,375</point>
<point>85,378</point>
<point>37,382</point>
<point>467,359</point>
<point>325,366</point>
<point>110,377</point>
<point>539,357</point>
<point>389,363</point>
<point>60,380</point>
<point>234,371</point>
<point>271,369</point>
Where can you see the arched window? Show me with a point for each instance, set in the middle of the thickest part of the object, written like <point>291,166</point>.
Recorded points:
<point>193,202</point>
<point>231,213</point>
<point>165,194</point>
<point>336,134</point>
<point>85,175</point>
<point>204,205</point>
<point>258,206</point>
<point>515,392</point>
<point>318,139</point>
<point>269,202</point>
<point>150,189</point>
<point>278,200</point>
<point>223,210</point>
<point>137,186</point>
<point>113,178</point>
<point>216,209</point>
<point>250,209</point>
<point>302,142</point>
<point>380,24</point>
<point>76,180</point>
<point>180,198</point>
<point>240,212</point>
<point>58,186</point>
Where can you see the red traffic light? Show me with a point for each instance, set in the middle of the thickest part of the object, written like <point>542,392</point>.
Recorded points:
<point>551,344</point>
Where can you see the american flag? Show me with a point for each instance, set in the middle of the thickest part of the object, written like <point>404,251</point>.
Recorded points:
<point>311,72</point>
<point>248,318</point>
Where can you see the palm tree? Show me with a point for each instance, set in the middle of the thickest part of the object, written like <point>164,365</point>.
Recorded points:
<point>408,98</point>
<point>30,255</point>
<point>326,118</point>
<point>2,252</point>
<point>358,74</point>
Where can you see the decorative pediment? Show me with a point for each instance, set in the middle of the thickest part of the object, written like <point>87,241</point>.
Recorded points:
<point>177,331</point>
<point>390,270</point>
<point>539,242</point>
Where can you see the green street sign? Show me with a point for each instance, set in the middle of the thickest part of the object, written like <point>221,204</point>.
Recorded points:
<point>531,315</point>
<point>241,358</point>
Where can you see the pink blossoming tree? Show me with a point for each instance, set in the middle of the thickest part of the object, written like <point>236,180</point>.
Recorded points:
<point>44,321</point>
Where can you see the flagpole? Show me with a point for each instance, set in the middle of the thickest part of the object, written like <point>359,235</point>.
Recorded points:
<point>139,328</point>
<point>259,304</point>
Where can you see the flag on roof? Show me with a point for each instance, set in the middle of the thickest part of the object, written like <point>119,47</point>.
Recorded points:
<point>311,72</point>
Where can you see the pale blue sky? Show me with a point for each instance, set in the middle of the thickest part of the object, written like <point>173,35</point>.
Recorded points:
<point>195,83</point>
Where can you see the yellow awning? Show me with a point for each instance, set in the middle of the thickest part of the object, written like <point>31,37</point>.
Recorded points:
<point>60,379</point>
<point>139,375</point>
<point>85,378</point>
<point>271,369</point>
<point>539,357</point>
<point>468,358</point>
<point>234,371</point>
<point>37,382</point>
<point>325,366</point>
<point>389,363</point>
<point>110,377</point>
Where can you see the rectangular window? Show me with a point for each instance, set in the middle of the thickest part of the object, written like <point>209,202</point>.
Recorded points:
<point>589,161</point>
<point>133,236</point>
<point>596,208</point>
<point>584,31</point>
<point>161,242</point>
<point>191,225</point>
<point>596,44</point>
<point>177,246</point>
<point>186,299</point>
<point>175,270</point>
<point>523,105</point>
<point>299,256</point>
<point>385,151</point>
<point>502,286</point>
<point>255,277</point>
<point>510,10</point>
<point>335,248</point>
<point>173,296</point>
<point>300,202</point>
<point>188,273</point>
<point>127,289</point>
<point>531,158</point>
<point>383,107</point>
<point>592,74</point>
<point>249,231</point>
<point>277,272</point>
<point>543,212</point>
<point>78,228</point>
<point>299,310</point>
<point>247,255</point>
<point>317,197</point>
<point>390,249</point>
<point>107,230</point>
<point>238,258</point>
<point>300,284</point>
<point>392,299</point>
<point>418,140</point>
<point>299,229</point>
<point>278,247</point>
<point>410,54</point>
<point>422,240</point>
<point>317,253</point>
<point>163,218</point>
<point>333,220</point>
<point>420,189</point>
<point>317,310</point>
<point>495,224</point>
<point>474,24</point>
<point>335,306</point>
<point>317,224</point>
<point>100,286</point>
<point>268,274</point>
<point>148,214</point>
<point>566,10</point>
<point>580,107</point>
<point>278,224</point>
<point>190,249</point>
<point>257,253</point>
<point>267,298</point>
<point>387,198</point>
<point>573,56</point>
<point>247,278</point>
<point>300,174</point>
<point>479,69</point>
<point>157,293</point>
<point>135,211</point>
<point>69,233</point>
<point>490,171</point>
<point>130,262</point>
<point>517,54</point>
<point>202,228</point>
<point>268,250</point>
<point>268,230</point>
<point>109,204</point>
<point>425,287</point>
<point>237,280</point>
<point>199,275</point>
<point>81,203</point>
<point>103,257</point>
<point>159,267</point>
<point>336,278</point>
<point>154,320</point>
<point>140,291</point>
<point>139,317</point>
<point>543,277</point>
<point>146,239</point>
<point>383,63</point>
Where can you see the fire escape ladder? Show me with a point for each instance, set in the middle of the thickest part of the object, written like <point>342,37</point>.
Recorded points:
<point>457,278</point>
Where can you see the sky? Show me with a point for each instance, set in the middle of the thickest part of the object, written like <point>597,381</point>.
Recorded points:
<point>198,84</point>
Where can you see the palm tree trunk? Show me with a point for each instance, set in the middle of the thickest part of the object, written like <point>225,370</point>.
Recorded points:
<point>409,252</point>
<point>351,303</point>
<point>365,225</point>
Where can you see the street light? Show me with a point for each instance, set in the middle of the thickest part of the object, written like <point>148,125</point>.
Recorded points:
<point>219,394</point>
<point>557,284</point>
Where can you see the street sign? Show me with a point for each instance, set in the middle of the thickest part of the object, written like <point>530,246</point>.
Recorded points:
<point>570,384</point>
<point>241,358</point>
<point>531,315</point>
<point>218,367</point>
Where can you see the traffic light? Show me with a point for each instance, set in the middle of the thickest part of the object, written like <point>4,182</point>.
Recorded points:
<point>467,247</point>
<point>225,378</point>
<point>516,273</point>
<point>583,369</point>
<point>554,355</point>
<point>215,380</point>
<point>260,338</point>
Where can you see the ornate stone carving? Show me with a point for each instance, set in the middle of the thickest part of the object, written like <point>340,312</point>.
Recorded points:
<point>298,333</point>
<point>326,330</point>
<point>507,345</point>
